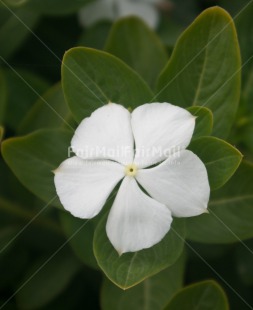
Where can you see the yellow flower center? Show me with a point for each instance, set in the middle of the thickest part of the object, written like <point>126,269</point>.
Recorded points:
<point>131,170</point>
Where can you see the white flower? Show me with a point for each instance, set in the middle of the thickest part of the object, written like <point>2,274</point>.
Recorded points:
<point>178,185</point>
<point>114,9</point>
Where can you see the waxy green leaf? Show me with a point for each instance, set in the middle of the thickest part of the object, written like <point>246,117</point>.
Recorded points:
<point>152,294</point>
<point>91,78</point>
<point>138,46</point>
<point>130,269</point>
<point>204,69</point>
<point>32,159</point>
<point>204,121</point>
<point>230,217</point>
<point>220,158</point>
<point>204,295</point>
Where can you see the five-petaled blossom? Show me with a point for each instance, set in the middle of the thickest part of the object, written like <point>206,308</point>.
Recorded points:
<point>147,149</point>
<point>114,9</point>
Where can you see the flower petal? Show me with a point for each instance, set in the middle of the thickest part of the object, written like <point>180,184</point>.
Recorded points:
<point>160,129</point>
<point>136,221</point>
<point>83,186</point>
<point>142,9</point>
<point>106,134</point>
<point>179,183</point>
<point>96,11</point>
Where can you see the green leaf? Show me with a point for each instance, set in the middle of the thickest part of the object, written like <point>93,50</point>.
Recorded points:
<point>56,7</point>
<point>138,46</point>
<point>23,89</point>
<point>230,217</point>
<point>33,157</point>
<point>130,269</point>
<point>152,294</point>
<point>14,30</point>
<point>82,242</point>
<point>204,69</point>
<point>46,280</point>
<point>92,78</point>
<point>206,295</point>
<point>49,111</point>
<point>220,158</point>
<point>204,121</point>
